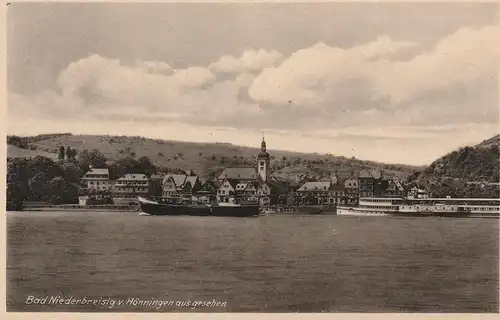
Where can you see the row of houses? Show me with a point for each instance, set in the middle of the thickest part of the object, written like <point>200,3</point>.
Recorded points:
<point>248,183</point>
<point>245,183</point>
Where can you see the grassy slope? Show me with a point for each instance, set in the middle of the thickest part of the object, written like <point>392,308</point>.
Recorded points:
<point>15,152</point>
<point>200,156</point>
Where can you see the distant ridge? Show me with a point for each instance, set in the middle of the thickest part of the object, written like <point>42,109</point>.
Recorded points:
<point>202,158</point>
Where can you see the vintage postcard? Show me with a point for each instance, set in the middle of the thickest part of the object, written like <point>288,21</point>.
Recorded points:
<point>252,157</point>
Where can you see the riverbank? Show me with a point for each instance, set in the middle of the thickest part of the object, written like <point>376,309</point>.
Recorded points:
<point>89,208</point>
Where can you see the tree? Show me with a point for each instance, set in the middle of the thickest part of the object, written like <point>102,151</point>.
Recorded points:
<point>93,157</point>
<point>72,172</point>
<point>38,186</point>
<point>15,196</point>
<point>33,179</point>
<point>19,142</point>
<point>57,186</point>
<point>61,153</point>
<point>70,153</point>
<point>146,166</point>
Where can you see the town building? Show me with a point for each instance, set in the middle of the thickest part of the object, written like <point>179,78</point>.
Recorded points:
<point>98,179</point>
<point>314,192</point>
<point>208,191</point>
<point>128,188</point>
<point>281,192</point>
<point>180,185</point>
<point>247,190</point>
<point>351,191</point>
<point>394,189</point>
<point>372,183</point>
<point>227,189</point>
<point>337,194</point>
<point>239,173</point>
<point>417,193</point>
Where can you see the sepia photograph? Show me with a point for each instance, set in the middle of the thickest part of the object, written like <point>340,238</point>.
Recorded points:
<point>252,157</point>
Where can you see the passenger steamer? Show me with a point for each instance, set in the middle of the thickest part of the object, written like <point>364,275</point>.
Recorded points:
<point>419,207</point>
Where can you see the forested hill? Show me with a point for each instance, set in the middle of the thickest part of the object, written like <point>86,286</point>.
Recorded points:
<point>475,164</point>
<point>471,172</point>
<point>490,142</point>
<point>202,158</point>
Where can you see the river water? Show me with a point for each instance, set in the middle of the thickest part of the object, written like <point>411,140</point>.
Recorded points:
<point>274,263</point>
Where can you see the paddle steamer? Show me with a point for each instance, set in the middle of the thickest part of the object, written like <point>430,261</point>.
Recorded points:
<point>441,207</point>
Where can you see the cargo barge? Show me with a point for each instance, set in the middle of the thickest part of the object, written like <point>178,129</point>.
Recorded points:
<point>233,208</point>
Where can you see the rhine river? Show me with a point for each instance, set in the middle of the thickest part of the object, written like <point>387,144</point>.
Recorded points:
<point>274,263</point>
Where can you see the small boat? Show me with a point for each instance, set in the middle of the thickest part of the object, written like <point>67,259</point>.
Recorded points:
<point>222,209</point>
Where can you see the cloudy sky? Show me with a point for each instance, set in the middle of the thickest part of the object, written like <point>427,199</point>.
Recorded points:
<point>394,82</point>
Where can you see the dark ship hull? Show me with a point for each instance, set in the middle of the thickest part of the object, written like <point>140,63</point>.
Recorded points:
<point>156,208</point>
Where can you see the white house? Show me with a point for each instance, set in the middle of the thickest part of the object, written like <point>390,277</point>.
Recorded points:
<point>98,179</point>
<point>129,187</point>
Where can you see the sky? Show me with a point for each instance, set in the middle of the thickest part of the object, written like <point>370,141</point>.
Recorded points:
<point>391,82</point>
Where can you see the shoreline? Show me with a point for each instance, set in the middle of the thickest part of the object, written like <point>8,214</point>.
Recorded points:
<point>78,208</point>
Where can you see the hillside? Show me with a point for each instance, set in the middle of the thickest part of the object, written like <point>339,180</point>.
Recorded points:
<point>202,158</point>
<point>490,142</point>
<point>472,164</point>
<point>16,152</point>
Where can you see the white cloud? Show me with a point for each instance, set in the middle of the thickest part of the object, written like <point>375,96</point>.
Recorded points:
<point>193,77</point>
<point>313,76</point>
<point>227,64</point>
<point>463,58</point>
<point>251,61</point>
<point>245,79</point>
<point>155,67</point>
<point>321,74</point>
<point>106,87</point>
<point>382,46</point>
<point>258,60</point>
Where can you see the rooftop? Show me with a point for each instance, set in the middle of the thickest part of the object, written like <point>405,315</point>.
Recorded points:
<point>134,177</point>
<point>315,185</point>
<point>240,173</point>
<point>374,174</point>
<point>178,179</point>
<point>99,171</point>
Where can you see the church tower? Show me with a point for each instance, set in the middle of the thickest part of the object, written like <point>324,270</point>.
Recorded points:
<point>263,162</point>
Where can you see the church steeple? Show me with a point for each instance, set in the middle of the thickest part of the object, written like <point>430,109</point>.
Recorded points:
<point>263,162</point>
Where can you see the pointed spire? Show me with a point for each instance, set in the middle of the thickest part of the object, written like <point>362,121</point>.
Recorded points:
<point>263,144</point>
